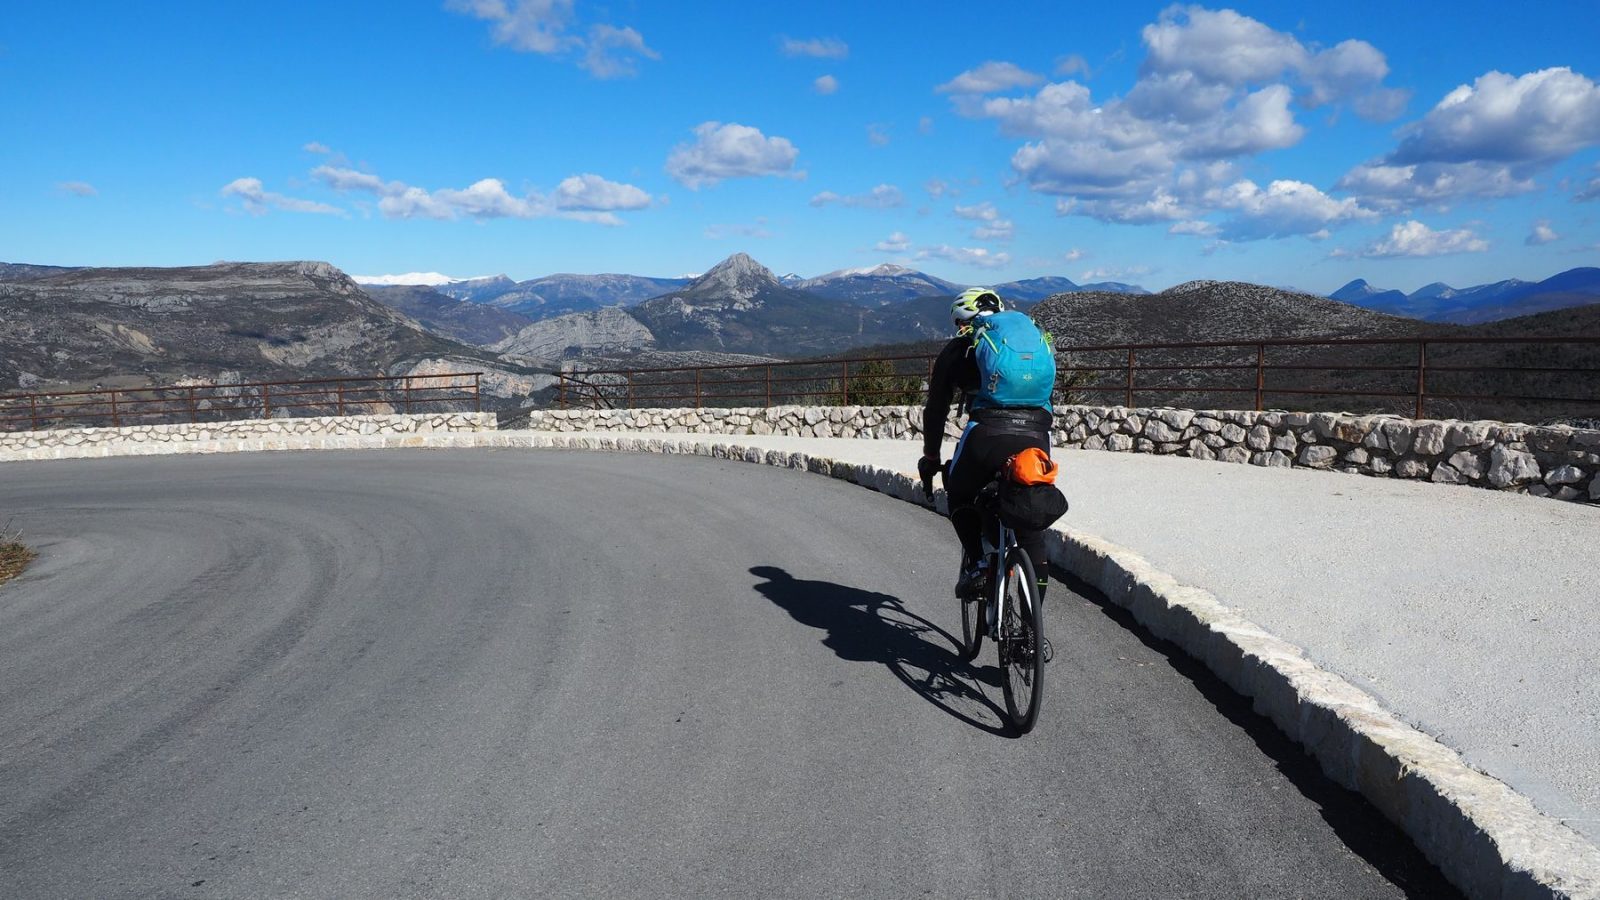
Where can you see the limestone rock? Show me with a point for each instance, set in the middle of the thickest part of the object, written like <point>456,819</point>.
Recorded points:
<point>1509,466</point>
<point>1233,455</point>
<point>1318,456</point>
<point>1564,475</point>
<point>1232,433</point>
<point>1260,437</point>
<point>1444,473</point>
<point>1411,468</point>
<point>1468,463</point>
<point>1429,439</point>
<point>1399,435</point>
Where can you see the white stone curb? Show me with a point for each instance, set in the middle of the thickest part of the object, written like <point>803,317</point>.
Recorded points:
<point>1487,839</point>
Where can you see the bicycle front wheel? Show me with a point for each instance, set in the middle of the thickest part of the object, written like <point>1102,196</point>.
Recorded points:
<point>1021,641</point>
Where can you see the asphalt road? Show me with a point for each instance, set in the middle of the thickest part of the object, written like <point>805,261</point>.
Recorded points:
<point>488,674</point>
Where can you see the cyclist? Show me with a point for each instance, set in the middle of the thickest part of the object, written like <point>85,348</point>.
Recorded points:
<point>995,431</point>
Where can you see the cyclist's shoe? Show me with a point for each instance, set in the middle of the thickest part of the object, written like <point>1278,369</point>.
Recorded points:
<point>971,584</point>
<point>1045,650</point>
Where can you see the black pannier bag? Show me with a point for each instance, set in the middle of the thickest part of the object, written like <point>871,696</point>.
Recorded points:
<point>1029,507</point>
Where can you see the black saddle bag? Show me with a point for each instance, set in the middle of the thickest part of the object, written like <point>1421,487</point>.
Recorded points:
<point>1029,507</point>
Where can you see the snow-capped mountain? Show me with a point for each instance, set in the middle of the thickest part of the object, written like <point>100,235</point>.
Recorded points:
<point>563,293</point>
<point>426,279</point>
<point>878,285</point>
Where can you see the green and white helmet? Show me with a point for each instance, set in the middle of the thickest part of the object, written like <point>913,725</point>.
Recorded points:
<point>972,303</point>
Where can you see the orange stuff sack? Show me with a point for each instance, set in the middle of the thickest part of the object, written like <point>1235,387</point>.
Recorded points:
<point>1031,466</point>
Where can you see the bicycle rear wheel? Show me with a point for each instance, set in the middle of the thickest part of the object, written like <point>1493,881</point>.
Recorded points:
<point>1021,641</point>
<point>971,623</point>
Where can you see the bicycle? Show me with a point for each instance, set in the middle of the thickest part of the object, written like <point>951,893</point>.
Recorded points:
<point>1007,609</point>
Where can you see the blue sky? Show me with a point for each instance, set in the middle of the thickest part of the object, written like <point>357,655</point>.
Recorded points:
<point>981,143</point>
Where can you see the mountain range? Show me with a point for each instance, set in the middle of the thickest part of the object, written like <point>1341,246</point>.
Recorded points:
<point>74,328</point>
<point>873,286</point>
<point>1439,302</point>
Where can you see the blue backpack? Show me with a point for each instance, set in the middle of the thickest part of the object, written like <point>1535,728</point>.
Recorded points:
<point>1016,364</point>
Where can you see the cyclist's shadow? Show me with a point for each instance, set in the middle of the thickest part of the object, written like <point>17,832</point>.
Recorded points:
<point>867,626</point>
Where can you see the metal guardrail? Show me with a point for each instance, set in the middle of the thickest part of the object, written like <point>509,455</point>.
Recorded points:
<point>258,399</point>
<point>1395,371</point>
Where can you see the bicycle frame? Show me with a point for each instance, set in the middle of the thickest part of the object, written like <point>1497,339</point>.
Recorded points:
<point>996,549</point>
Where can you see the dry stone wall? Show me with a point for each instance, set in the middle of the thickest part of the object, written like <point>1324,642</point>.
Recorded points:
<point>1559,462</point>
<point>309,433</point>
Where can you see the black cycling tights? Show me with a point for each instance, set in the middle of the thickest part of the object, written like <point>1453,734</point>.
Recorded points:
<point>978,457</point>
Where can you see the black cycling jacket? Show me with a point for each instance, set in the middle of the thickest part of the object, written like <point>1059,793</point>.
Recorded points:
<point>955,370</point>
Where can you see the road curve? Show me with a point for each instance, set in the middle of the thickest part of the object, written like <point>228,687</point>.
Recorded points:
<point>489,674</point>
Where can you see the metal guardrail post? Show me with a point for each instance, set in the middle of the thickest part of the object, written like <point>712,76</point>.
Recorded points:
<point>405,390</point>
<point>116,417</point>
<point>477,392</point>
<point>266,401</point>
<point>1261,375</point>
<point>561,389</point>
<point>194,408</point>
<point>340,392</point>
<point>1128,399</point>
<point>1422,374</point>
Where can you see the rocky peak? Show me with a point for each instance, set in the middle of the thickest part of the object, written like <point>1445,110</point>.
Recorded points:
<point>738,278</point>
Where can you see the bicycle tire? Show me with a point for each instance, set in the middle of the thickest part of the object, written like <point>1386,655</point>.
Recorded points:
<point>971,624</point>
<point>1020,641</point>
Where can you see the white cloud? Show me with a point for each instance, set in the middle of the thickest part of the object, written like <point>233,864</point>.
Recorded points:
<point>884,196</point>
<point>938,187</point>
<point>1544,115</point>
<point>1215,87</point>
<point>317,147</point>
<point>1590,191</point>
<point>757,230</point>
<point>989,78</point>
<point>1416,239</point>
<point>825,84</point>
<point>818,48</point>
<point>257,200</point>
<point>582,198</point>
<point>1072,64</point>
<point>1393,187</point>
<point>1486,139</point>
<point>723,151</point>
<point>1197,227</point>
<point>1111,273</point>
<point>1073,255</point>
<point>877,135</point>
<point>1226,48</point>
<point>1542,234</point>
<point>977,257</point>
<point>592,192</point>
<point>541,26</point>
<point>343,179</point>
<point>1284,208</point>
<point>898,242</point>
<point>529,26</point>
<point>613,52</point>
<point>77,188</point>
<point>992,226</point>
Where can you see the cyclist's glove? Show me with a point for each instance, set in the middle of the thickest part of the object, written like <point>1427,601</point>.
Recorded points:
<point>928,467</point>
